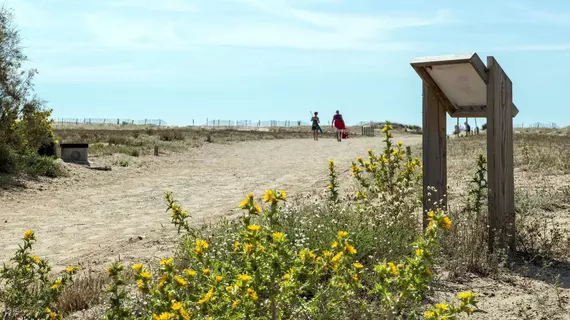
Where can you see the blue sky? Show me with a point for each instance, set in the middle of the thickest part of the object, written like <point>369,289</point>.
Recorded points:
<point>179,60</point>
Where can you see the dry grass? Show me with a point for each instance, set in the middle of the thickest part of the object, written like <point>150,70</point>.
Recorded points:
<point>84,293</point>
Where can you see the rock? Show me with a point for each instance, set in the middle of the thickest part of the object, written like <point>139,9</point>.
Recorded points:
<point>140,237</point>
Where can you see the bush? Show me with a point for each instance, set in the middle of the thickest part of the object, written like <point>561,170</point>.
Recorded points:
<point>27,291</point>
<point>8,161</point>
<point>265,277</point>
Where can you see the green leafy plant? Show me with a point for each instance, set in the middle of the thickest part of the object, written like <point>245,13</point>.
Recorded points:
<point>26,288</point>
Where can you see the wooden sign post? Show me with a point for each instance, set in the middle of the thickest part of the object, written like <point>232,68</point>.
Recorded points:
<point>462,86</point>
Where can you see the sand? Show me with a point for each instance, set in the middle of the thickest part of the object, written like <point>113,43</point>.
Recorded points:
<point>94,217</point>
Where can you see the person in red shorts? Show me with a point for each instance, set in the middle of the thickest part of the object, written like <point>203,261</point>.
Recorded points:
<point>338,124</point>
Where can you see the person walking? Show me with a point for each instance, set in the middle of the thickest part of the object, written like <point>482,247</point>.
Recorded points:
<point>338,124</point>
<point>315,126</point>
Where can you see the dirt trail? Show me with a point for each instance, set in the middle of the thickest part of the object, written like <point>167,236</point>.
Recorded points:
<point>93,216</point>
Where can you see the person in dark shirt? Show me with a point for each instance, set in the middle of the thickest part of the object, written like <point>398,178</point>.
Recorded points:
<point>338,124</point>
<point>315,126</point>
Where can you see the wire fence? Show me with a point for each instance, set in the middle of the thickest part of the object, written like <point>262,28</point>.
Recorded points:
<point>119,121</point>
<point>550,125</point>
<point>208,123</point>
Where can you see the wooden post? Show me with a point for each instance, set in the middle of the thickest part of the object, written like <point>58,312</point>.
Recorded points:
<point>434,152</point>
<point>500,158</point>
<point>156,150</point>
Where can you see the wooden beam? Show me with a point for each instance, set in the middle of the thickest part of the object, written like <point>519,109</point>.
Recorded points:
<point>427,80</point>
<point>470,112</point>
<point>434,152</point>
<point>500,158</point>
<point>479,67</point>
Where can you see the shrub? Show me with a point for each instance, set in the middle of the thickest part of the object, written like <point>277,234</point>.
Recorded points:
<point>267,278</point>
<point>8,161</point>
<point>27,291</point>
<point>172,135</point>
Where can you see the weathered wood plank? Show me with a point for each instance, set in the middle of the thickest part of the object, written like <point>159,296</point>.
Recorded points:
<point>434,151</point>
<point>500,157</point>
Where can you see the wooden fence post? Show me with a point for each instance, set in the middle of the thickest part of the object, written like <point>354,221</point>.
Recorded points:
<point>500,158</point>
<point>434,152</point>
<point>156,150</point>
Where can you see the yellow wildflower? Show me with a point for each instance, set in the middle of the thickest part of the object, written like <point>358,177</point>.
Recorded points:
<point>250,196</point>
<point>429,314</point>
<point>140,284</point>
<point>162,281</point>
<point>53,315</point>
<point>283,195</point>
<point>334,245</point>
<point>257,208</point>
<point>235,303</point>
<point>245,277</point>
<point>337,257</point>
<point>29,234</point>
<point>393,268</point>
<point>253,227</point>
<point>446,223</point>
<point>166,262</point>
<point>36,259</point>
<point>465,296</point>
<point>236,246</point>
<point>286,276</point>
<point>442,306</point>
<point>56,284</point>
<point>330,187</point>
<point>145,275</point>
<point>431,214</point>
<point>177,306</point>
<point>419,252</point>
<point>201,245</point>
<point>137,266</point>
<point>207,297</point>
<point>165,316</point>
<point>206,272</point>
<point>342,234</point>
<point>244,203</point>
<point>181,282</point>
<point>278,236</point>
<point>248,247</point>
<point>219,279</point>
<point>326,253</point>
<point>190,272</point>
<point>229,288</point>
<point>349,248</point>
<point>269,196</point>
<point>69,269</point>
<point>358,265</point>
<point>355,277</point>
<point>252,294</point>
<point>184,314</point>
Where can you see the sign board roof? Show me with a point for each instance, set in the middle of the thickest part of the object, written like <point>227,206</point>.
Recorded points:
<point>459,80</point>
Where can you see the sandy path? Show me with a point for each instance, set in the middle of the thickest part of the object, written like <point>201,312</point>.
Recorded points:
<point>92,216</point>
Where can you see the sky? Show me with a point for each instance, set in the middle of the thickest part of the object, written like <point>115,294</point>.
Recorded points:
<point>185,60</point>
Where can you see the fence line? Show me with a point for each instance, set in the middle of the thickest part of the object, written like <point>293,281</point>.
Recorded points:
<point>551,125</point>
<point>79,121</point>
<point>162,123</point>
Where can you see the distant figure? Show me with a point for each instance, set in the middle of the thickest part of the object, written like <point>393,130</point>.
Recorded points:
<point>467,129</point>
<point>338,124</point>
<point>457,130</point>
<point>315,126</point>
<point>477,130</point>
